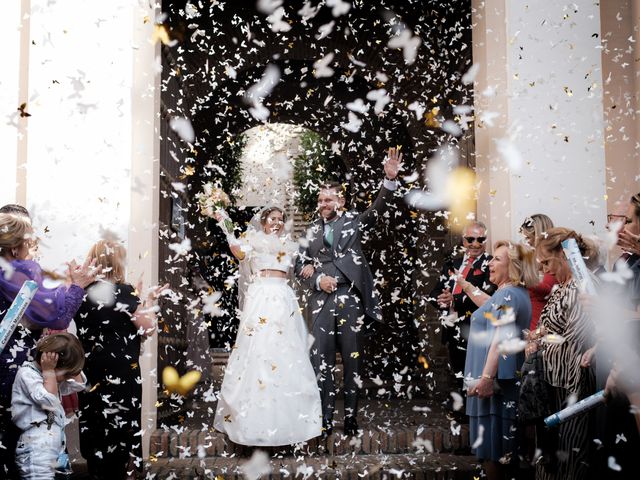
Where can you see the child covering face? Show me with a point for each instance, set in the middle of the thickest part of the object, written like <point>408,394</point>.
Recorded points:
<point>37,409</point>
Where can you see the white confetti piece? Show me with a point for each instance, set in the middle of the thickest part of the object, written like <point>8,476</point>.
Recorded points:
<point>260,90</point>
<point>268,6</point>
<point>457,401</point>
<point>182,126</point>
<point>478,441</point>
<point>358,106</point>
<point>470,76</point>
<point>510,154</point>
<point>257,466</point>
<point>613,465</point>
<point>354,123</point>
<point>381,98</point>
<point>409,44</point>
<point>276,21</point>
<point>321,67</point>
<point>339,7</point>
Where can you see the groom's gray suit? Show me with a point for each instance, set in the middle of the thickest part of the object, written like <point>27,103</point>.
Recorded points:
<point>339,318</point>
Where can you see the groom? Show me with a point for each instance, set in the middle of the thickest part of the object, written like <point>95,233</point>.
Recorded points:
<point>342,299</point>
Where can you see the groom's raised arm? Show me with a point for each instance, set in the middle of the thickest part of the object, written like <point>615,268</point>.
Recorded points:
<point>392,166</point>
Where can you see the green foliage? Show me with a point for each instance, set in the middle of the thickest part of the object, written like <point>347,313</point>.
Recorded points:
<point>314,165</point>
<point>229,157</point>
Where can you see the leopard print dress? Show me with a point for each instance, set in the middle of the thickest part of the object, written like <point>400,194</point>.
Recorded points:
<point>563,315</point>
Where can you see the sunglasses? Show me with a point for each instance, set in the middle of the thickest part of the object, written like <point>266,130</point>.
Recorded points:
<point>618,218</point>
<point>474,239</point>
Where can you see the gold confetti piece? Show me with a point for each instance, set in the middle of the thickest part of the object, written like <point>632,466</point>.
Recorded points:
<point>189,170</point>
<point>94,387</point>
<point>134,365</point>
<point>174,383</point>
<point>280,255</point>
<point>423,361</point>
<point>159,403</point>
<point>430,118</point>
<point>273,367</point>
<point>227,418</point>
<point>161,33</point>
<point>568,91</point>
<point>262,321</point>
<point>355,354</point>
<point>23,110</point>
<point>145,19</point>
<point>153,458</point>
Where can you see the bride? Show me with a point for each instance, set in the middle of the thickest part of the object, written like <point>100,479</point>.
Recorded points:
<point>269,395</point>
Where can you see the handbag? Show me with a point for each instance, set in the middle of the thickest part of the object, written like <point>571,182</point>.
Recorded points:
<point>534,402</point>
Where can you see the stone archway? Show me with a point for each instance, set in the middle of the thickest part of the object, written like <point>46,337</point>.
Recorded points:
<point>223,51</point>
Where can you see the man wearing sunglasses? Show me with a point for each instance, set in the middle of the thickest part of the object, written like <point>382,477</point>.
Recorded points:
<point>449,297</point>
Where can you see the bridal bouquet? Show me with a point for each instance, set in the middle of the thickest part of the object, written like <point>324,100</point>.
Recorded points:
<point>212,201</point>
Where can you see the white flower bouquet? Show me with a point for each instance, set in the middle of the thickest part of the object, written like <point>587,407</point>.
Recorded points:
<point>212,201</point>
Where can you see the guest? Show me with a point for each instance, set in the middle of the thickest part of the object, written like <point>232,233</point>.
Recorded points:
<point>564,317</point>
<point>50,308</point>
<point>37,406</point>
<point>15,209</point>
<point>493,390</point>
<point>111,324</point>
<point>533,228</point>
<point>464,285</point>
<point>616,358</point>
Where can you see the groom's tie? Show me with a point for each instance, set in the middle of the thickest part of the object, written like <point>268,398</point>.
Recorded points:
<point>328,235</point>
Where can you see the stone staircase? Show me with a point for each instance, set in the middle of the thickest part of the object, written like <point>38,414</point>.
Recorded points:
<point>398,439</point>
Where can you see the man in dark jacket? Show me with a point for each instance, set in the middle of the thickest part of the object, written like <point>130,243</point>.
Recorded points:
<point>455,304</point>
<point>342,300</point>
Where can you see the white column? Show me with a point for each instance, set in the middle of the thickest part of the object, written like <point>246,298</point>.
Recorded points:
<point>145,171</point>
<point>540,86</point>
<point>14,91</point>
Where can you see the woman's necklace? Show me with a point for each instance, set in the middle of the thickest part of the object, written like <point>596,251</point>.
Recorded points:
<point>505,285</point>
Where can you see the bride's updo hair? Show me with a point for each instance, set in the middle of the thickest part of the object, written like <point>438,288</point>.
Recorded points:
<point>267,211</point>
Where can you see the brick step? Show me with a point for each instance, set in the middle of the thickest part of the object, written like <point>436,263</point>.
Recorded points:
<point>417,466</point>
<point>187,442</point>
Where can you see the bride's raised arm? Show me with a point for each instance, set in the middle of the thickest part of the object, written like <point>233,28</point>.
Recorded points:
<point>226,225</point>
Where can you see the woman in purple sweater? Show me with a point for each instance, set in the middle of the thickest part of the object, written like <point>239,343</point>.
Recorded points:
<point>51,308</point>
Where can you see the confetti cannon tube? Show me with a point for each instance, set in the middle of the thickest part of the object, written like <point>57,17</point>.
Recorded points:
<point>578,267</point>
<point>16,310</point>
<point>575,409</point>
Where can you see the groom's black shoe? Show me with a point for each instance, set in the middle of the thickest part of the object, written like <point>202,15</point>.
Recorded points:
<point>350,426</point>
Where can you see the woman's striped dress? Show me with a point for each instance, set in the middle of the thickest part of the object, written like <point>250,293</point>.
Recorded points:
<point>563,315</point>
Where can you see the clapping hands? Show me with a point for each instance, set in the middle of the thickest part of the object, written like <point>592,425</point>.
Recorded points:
<point>85,274</point>
<point>152,294</point>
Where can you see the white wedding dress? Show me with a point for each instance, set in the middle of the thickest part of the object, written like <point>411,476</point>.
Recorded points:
<point>269,395</point>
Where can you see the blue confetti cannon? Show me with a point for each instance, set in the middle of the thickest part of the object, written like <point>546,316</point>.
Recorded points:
<point>576,409</point>
<point>578,268</point>
<point>16,310</point>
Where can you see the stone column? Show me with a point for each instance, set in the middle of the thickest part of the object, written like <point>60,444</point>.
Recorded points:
<point>145,171</point>
<point>539,122</point>
<point>620,20</point>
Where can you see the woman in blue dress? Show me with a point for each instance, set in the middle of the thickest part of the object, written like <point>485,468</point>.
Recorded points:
<point>495,353</point>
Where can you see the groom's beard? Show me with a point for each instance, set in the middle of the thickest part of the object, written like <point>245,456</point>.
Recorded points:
<point>333,214</point>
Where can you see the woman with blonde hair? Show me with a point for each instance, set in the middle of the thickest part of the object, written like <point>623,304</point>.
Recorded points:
<point>494,357</point>
<point>112,321</point>
<point>533,229</point>
<point>564,317</point>
<point>51,308</point>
